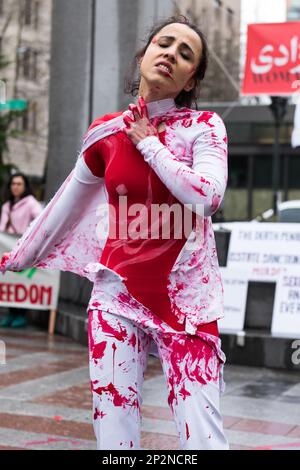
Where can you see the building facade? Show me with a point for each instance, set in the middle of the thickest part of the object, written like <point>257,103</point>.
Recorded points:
<point>25,37</point>
<point>220,21</point>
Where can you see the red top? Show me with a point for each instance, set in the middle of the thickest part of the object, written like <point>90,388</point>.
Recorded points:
<point>145,262</point>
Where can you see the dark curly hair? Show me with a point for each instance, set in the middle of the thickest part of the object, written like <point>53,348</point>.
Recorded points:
<point>184,98</point>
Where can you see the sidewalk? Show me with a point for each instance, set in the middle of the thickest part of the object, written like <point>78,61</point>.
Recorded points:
<point>45,400</point>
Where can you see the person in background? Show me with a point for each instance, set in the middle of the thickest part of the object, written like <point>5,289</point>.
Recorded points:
<point>20,208</point>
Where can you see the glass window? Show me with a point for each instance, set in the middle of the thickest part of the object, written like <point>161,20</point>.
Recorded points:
<point>263,171</point>
<point>27,12</point>
<point>294,171</point>
<point>237,171</point>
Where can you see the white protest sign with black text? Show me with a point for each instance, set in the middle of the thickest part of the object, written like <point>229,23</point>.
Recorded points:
<point>235,283</point>
<point>286,312</point>
<point>266,250</point>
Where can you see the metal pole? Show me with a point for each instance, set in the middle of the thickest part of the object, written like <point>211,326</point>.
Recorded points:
<point>278,108</point>
<point>276,164</point>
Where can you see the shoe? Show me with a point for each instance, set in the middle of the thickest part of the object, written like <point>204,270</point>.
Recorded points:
<point>7,321</point>
<point>19,322</point>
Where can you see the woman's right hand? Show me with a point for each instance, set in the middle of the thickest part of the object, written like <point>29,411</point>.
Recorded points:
<point>4,259</point>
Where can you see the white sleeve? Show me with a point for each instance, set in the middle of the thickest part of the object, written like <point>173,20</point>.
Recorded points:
<point>203,185</point>
<point>56,220</point>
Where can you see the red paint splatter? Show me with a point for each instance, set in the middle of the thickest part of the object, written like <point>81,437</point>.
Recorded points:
<point>131,444</point>
<point>215,203</point>
<point>187,431</point>
<point>199,190</point>
<point>4,259</point>
<point>98,350</point>
<point>187,123</point>
<point>203,180</point>
<point>118,399</point>
<point>206,116</point>
<point>96,304</point>
<point>109,330</point>
<point>98,413</point>
<point>184,393</point>
<point>90,336</point>
<point>179,286</point>
<point>132,340</point>
<point>114,347</point>
<point>184,358</point>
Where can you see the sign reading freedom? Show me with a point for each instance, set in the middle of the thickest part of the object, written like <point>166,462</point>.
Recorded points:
<point>273,59</point>
<point>32,288</point>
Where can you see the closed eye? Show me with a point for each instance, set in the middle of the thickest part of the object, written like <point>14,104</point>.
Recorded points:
<point>182,54</point>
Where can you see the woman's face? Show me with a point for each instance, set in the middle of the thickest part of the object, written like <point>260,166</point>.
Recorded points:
<point>17,186</point>
<point>179,48</point>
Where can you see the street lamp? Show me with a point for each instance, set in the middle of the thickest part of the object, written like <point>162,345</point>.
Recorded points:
<point>278,108</point>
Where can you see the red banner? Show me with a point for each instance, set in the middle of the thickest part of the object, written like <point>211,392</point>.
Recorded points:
<point>273,59</point>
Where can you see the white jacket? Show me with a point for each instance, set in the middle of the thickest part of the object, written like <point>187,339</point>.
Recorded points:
<point>71,231</point>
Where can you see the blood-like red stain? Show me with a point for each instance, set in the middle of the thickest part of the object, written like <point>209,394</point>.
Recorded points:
<point>109,330</point>
<point>187,430</point>
<point>184,393</point>
<point>98,350</point>
<point>203,180</point>
<point>184,358</point>
<point>99,413</point>
<point>118,399</point>
<point>114,347</point>
<point>187,123</point>
<point>206,117</point>
<point>132,340</point>
<point>199,190</point>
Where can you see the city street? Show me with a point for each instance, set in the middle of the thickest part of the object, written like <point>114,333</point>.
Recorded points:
<point>45,400</point>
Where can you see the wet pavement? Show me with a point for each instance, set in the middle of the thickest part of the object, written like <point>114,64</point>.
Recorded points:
<point>45,400</point>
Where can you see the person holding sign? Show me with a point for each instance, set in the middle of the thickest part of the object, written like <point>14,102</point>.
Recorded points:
<point>17,212</point>
<point>156,277</point>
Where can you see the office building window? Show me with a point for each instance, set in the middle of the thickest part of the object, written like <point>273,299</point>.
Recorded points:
<point>36,14</point>
<point>27,12</point>
<point>27,63</point>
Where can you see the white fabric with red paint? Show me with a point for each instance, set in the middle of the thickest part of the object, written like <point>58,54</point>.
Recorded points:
<point>71,231</point>
<point>118,352</point>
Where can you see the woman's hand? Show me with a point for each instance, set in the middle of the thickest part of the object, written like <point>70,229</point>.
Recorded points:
<point>139,128</point>
<point>4,259</point>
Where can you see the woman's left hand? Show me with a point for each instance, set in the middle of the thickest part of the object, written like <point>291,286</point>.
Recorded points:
<point>139,128</point>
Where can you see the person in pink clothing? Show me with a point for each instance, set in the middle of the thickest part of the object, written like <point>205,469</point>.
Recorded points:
<point>17,213</point>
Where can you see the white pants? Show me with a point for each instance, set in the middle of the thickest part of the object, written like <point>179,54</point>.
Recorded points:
<point>118,351</point>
